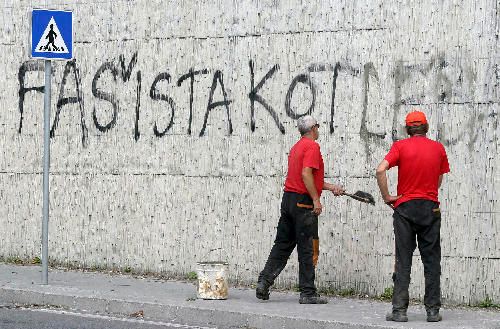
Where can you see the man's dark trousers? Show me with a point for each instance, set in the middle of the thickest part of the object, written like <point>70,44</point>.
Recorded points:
<point>298,226</point>
<point>417,220</point>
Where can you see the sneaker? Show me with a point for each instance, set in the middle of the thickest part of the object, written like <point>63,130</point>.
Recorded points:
<point>397,316</point>
<point>317,299</point>
<point>433,315</point>
<point>262,291</point>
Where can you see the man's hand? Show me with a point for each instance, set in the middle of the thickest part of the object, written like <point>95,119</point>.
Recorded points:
<point>390,199</point>
<point>337,190</point>
<point>317,207</point>
<point>382,184</point>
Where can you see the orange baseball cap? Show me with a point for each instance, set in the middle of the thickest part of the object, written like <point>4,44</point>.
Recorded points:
<point>415,118</point>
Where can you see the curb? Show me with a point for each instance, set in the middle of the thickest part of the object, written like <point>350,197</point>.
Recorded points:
<point>194,316</point>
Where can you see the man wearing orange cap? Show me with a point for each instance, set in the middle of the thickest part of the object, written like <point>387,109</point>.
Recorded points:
<point>421,164</point>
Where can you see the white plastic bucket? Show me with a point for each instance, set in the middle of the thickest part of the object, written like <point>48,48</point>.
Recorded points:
<point>212,279</point>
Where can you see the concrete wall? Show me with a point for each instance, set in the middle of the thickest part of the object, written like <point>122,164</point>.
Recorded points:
<point>152,166</point>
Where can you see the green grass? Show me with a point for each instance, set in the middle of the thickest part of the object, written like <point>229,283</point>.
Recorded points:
<point>330,291</point>
<point>192,275</point>
<point>97,268</point>
<point>347,292</point>
<point>14,260</point>
<point>488,303</point>
<point>387,294</point>
<point>295,288</point>
<point>21,261</point>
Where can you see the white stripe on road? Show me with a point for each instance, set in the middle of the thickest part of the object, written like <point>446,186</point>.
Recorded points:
<point>105,317</point>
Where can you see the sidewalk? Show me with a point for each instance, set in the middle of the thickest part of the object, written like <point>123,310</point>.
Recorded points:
<point>175,302</point>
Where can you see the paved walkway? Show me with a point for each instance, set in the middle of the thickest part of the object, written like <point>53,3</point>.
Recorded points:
<point>176,302</point>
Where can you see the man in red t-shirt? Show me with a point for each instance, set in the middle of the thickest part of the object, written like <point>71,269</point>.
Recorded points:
<point>300,208</point>
<point>421,164</point>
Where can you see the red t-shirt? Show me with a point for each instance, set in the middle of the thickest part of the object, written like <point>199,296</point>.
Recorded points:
<point>305,153</point>
<point>420,162</point>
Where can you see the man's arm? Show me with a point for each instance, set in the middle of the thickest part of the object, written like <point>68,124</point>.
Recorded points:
<point>440,180</point>
<point>308,178</point>
<point>382,183</point>
<point>335,189</point>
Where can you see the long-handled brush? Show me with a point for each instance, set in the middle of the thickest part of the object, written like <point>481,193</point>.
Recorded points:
<point>362,196</point>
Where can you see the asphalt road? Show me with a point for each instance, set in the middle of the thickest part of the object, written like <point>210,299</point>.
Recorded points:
<point>40,318</point>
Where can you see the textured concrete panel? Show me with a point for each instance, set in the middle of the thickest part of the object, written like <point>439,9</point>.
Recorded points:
<point>171,128</point>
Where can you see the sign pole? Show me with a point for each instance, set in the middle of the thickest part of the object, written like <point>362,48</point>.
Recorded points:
<point>51,38</point>
<point>46,166</point>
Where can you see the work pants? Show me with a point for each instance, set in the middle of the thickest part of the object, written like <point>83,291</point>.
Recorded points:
<point>417,220</point>
<point>298,226</point>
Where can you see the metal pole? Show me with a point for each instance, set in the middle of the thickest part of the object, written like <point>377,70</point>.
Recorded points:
<point>46,165</point>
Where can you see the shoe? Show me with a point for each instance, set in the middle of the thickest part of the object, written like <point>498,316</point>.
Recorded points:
<point>262,291</point>
<point>397,316</point>
<point>317,299</point>
<point>433,315</point>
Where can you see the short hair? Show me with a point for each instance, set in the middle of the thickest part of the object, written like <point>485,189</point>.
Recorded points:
<point>420,129</point>
<point>305,124</point>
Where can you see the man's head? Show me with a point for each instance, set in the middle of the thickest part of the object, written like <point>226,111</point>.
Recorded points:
<point>308,126</point>
<point>416,123</point>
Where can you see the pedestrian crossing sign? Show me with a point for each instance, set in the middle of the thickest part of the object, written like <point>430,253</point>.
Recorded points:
<point>51,34</point>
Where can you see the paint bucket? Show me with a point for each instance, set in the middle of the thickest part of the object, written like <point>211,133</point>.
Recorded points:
<point>212,278</point>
